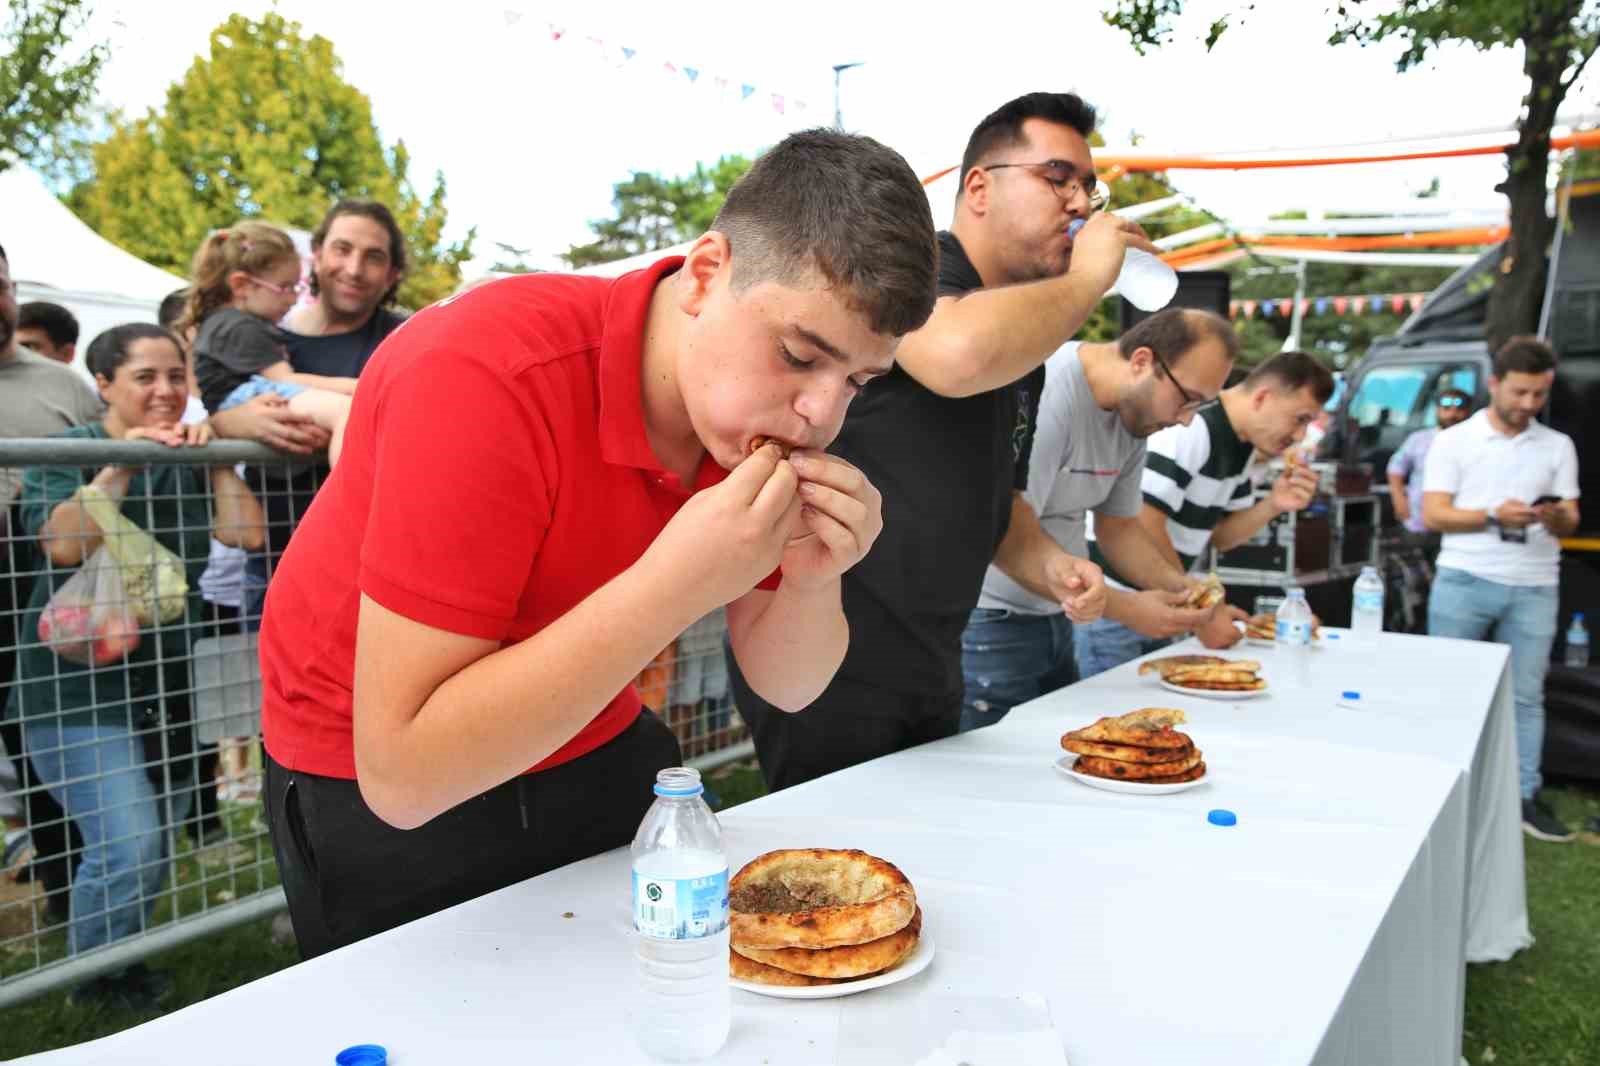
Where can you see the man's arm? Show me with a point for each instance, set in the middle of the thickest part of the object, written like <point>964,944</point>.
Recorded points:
<point>1560,518</point>
<point>1154,522</point>
<point>268,419</point>
<point>282,371</point>
<point>1397,497</point>
<point>1031,557</point>
<point>992,337</point>
<point>1135,555</point>
<point>1293,491</point>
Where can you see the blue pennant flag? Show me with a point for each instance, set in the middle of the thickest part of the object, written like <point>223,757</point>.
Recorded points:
<point>693,72</point>
<point>745,91</point>
<point>1322,305</point>
<point>1267,307</point>
<point>627,53</point>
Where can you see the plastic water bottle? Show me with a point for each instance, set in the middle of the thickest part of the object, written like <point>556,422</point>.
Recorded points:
<point>1577,653</point>
<point>1148,283</point>
<point>1294,634</point>
<point>680,916</point>
<point>1366,611</point>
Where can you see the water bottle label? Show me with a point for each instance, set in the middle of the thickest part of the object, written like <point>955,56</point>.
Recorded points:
<point>1369,599</point>
<point>1293,632</point>
<point>680,908</point>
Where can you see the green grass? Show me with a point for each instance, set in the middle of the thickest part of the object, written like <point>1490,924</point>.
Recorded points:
<point>1539,1009</point>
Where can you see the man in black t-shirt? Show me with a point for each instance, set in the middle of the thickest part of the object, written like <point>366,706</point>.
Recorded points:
<point>358,258</point>
<point>946,438</point>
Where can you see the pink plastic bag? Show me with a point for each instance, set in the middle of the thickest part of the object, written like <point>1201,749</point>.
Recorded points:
<point>89,619</point>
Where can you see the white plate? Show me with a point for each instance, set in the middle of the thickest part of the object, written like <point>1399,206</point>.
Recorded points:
<point>1131,788</point>
<point>1215,693</point>
<point>914,964</point>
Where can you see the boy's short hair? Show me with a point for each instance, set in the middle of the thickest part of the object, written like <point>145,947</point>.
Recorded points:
<point>841,207</point>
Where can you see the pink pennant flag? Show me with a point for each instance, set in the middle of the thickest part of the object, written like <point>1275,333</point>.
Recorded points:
<point>1398,303</point>
<point>1286,308</point>
<point>1340,305</point>
<point>1305,306</point>
<point>1233,308</point>
<point>1249,307</point>
<point>556,32</point>
<point>1416,301</point>
<point>669,67</point>
<point>777,103</point>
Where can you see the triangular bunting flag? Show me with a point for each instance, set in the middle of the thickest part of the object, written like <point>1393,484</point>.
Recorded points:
<point>669,68</point>
<point>556,32</point>
<point>1416,301</point>
<point>1249,308</point>
<point>1376,303</point>
<point>693,72</point>
<point>1233,308</point>
<point>628,53</point>
<point>1321,305</point>
<point>745,91</point>
<point>1267,307</point>
<point>777,103</point>
<point>1398,304</point>
<point>1340,305</point>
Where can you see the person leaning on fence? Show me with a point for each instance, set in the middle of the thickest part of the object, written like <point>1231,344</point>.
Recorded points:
<point>49,329</point>
<point>547,479</point>
<point>83,722</point>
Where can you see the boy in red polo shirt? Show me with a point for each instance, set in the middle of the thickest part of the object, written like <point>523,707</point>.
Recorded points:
<point>544,481</point>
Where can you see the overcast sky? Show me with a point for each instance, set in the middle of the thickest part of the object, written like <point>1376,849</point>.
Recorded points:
<point>531,133</point>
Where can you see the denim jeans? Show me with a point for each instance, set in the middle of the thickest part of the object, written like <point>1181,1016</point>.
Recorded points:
<point>1523,616</point>
<point>255,592</point>
<point>1103,644</point>
<point>1009,658</point>
<point>96,773</point>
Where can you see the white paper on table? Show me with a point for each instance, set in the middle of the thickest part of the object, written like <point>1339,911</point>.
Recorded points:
<point>947,1030</point>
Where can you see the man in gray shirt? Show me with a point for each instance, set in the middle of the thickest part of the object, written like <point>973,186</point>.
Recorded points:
<point>1100,402</point>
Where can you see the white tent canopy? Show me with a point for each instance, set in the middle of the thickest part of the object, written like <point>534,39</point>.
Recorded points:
<point>54,256</point>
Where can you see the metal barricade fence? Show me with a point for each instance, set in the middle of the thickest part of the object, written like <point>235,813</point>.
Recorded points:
<point>131,771</point>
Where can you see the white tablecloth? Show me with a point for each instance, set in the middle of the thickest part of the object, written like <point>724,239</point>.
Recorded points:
<point>1326,927</point>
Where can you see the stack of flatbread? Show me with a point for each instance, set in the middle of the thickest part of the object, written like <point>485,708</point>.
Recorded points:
<point>1210,672</point>
<point>818,916</point>
<point>1139,746</point>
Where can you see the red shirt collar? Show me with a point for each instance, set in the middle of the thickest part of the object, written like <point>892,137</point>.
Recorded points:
<point>622,436</point>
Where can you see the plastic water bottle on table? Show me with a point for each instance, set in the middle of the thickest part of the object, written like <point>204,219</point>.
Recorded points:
<point>683,1006</point>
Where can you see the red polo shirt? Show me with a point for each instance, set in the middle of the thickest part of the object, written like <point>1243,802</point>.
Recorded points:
<point>495,473</point>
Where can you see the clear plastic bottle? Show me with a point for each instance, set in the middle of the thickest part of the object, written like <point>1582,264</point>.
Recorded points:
<point>683,1006</point>
<point>1366,608</point>
<point>1148,283</point>
<point>1294,635</point>
<point>1577,653</point>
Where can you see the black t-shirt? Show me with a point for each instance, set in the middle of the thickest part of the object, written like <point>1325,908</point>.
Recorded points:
<point>233,345</point>
<point>946,468</point>
<point>340,355</point>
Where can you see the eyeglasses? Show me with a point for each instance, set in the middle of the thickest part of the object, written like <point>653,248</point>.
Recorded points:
<point>1451,401</point>
<point>1064,180</point>
<point>1191,402</point>
<point>282,290</point>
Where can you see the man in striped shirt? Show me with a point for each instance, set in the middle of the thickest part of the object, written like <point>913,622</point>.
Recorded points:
<point>1199,489</point>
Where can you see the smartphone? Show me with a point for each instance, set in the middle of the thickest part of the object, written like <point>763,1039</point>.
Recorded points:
<point>1542,500</point>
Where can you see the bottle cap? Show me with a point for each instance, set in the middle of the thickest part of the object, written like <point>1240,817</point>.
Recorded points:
<point>1075,225</point>
<point>1222,817</point>
<point>363,1055</point>
<point>1350,694</point>
<point>678,781</point>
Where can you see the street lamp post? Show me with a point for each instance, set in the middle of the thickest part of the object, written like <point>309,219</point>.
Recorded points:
<point>838,115</point>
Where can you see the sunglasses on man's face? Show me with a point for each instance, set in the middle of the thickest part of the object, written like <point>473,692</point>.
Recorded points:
<point>1451,401</point>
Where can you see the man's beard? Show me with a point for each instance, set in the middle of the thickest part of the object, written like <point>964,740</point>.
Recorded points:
<point>8,330</point>
<point>1512,417</point>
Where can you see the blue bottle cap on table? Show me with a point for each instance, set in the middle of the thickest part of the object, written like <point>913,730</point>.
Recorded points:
<point>1350,695</point>
<point>1222,817</point>
<point>363,1055</point>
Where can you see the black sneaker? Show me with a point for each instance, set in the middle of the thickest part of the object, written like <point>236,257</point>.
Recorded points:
<point>1539,823</point>
<point>146,985</point>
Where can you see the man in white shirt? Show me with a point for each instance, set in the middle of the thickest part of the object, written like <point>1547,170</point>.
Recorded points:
<point>1503,489</point>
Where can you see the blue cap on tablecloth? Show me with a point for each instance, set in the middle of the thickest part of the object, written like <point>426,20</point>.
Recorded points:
<point>1350,694</point>
<point>363,1055</point>
<point>1222,817</point>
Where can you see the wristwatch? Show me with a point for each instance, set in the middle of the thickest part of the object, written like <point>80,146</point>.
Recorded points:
<point>1490,521</point>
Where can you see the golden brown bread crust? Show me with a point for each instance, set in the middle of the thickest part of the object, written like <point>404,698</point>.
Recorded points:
<point>1225,686</point>
<point>1134,771</point>
<point>743,969</point>
<point>846,963</point>
<point>817,898</point>
<point>1194,773</point>
<point>1178,662</point>
<point>1147,728</point>
<point>1125,752</point>
<point>1213,674</point>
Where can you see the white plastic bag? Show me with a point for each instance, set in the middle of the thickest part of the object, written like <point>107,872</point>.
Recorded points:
<point>152,576</point>
<point>89,619</point>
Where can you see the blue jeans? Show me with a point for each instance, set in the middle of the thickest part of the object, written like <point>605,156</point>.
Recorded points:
<point>1523,616</point>
<point>1009,658</point>
<point>254,592</point>
<point>1103,644</point>
<point>260,386</point>
<point>97,774</point>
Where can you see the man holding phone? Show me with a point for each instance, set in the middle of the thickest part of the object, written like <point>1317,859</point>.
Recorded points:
<point>1500,558</point>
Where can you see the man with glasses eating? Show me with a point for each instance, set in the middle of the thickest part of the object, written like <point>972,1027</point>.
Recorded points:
<point>946,436</point>
<point>1100,403</point>
<point>1199,490</point>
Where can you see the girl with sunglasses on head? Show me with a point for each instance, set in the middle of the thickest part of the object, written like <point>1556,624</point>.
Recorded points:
<point>245,279</point>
